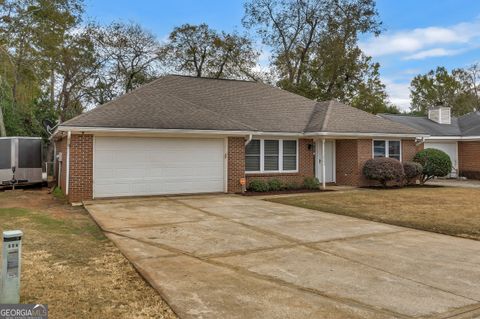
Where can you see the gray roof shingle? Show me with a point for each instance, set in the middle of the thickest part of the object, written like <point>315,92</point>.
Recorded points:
<point>466,125</point>
<point>183,102</point>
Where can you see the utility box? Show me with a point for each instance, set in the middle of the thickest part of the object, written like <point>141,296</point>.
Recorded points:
<point>23,153</point>
<point>11,267</point>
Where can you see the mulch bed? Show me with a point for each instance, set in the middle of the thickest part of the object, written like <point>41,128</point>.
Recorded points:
<point>292,191</point>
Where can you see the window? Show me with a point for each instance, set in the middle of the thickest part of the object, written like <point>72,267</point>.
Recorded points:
<point>271,156</point>
<point>379,149</point>
<point>385,148</point>
<point>289,155</point>
<point>394,149</point>
<point>252,156</point>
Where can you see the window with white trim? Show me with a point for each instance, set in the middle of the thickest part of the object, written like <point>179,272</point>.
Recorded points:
<point>387,148</point>
<point>267,155</point>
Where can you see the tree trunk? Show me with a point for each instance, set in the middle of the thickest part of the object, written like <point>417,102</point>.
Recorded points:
<point>3,131</point>
<point>52,87</point>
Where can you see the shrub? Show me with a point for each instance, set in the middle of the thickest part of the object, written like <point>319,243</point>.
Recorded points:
<point>258,185</point>
<point>275,185</point>
<point>293,186</point>
<point>383,169</point>
<point>311,183</point>
<point>412,170</point>
<point>435,163</point>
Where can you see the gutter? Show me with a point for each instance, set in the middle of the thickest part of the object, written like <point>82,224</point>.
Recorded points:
<point>353,134</point>
<point>227,133</point>
<point>459,138</point>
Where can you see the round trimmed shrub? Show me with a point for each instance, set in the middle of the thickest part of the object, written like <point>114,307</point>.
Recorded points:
<point>412,170</point>
<point>311,183</point>
<point>275,185</point>
<point>435,163</point>
<point>258,185</point>
<point>383,170</point>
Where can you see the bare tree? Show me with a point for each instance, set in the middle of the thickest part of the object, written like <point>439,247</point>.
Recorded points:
<point>131,57</point>
<point>204,52</point>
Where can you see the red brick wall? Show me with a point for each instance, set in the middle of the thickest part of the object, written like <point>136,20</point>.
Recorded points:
<point>81,167</point>
<point>236,163</point>
<point>351,155</point>
<point>420,147</point>
<point>346,162</point>
<point>409,149</point>
<point>469,159</point>
<point>306,161</point>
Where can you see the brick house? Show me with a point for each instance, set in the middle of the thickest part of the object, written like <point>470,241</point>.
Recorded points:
<point>459,137</point>
<point>181,134</point>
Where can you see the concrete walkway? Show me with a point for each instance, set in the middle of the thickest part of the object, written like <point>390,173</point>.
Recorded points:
<point>236,257</point>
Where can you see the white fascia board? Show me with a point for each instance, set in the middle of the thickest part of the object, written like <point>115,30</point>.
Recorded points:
<point>109,130</point>
<point>80,129</point>
<point>453,138</point>
<point>21,137</point>
<point>356,135</point>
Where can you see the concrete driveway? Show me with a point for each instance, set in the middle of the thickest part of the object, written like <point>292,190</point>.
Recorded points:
<point>238,257</point>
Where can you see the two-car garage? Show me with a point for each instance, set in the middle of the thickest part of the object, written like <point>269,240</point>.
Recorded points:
<point>133,166</point>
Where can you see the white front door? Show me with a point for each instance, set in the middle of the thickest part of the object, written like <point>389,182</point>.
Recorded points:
<point>329,159</point>
<point>130,166</point>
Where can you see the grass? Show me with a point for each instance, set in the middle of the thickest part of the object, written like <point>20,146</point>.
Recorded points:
<point>69,264</point>
<point>452,211</point>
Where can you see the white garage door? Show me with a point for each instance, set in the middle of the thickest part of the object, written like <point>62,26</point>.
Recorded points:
<point>154,166</point>
<point>448,147</point>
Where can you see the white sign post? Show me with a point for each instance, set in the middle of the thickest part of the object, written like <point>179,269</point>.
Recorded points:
<point>11,266</point>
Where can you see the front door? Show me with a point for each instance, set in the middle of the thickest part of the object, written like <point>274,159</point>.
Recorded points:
<point>329,159</point>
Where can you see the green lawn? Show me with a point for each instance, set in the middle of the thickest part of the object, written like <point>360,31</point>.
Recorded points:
<point>447,210</point>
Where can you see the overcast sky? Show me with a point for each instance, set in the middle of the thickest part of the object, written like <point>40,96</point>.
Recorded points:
<point>419,35</point>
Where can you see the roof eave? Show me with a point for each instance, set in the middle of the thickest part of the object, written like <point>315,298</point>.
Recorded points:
<point>373,134</point>
<point>85,129</point>
<point>460,138</point>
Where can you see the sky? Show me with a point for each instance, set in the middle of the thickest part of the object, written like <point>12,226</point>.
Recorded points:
<point>418,35</point>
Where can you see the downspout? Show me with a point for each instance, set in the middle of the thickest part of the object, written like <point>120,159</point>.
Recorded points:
<point>67,174</point>
<point>422,140</point>
<point>249,139</point>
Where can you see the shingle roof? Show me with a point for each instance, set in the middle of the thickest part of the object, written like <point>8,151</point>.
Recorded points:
<point>466,125</point>
<point>182,102</point>
<point>333,116</point>
<point>470,124</point>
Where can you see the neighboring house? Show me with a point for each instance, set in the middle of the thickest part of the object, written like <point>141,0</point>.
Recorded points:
<point>182,134</point>
<point>458,137</point>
